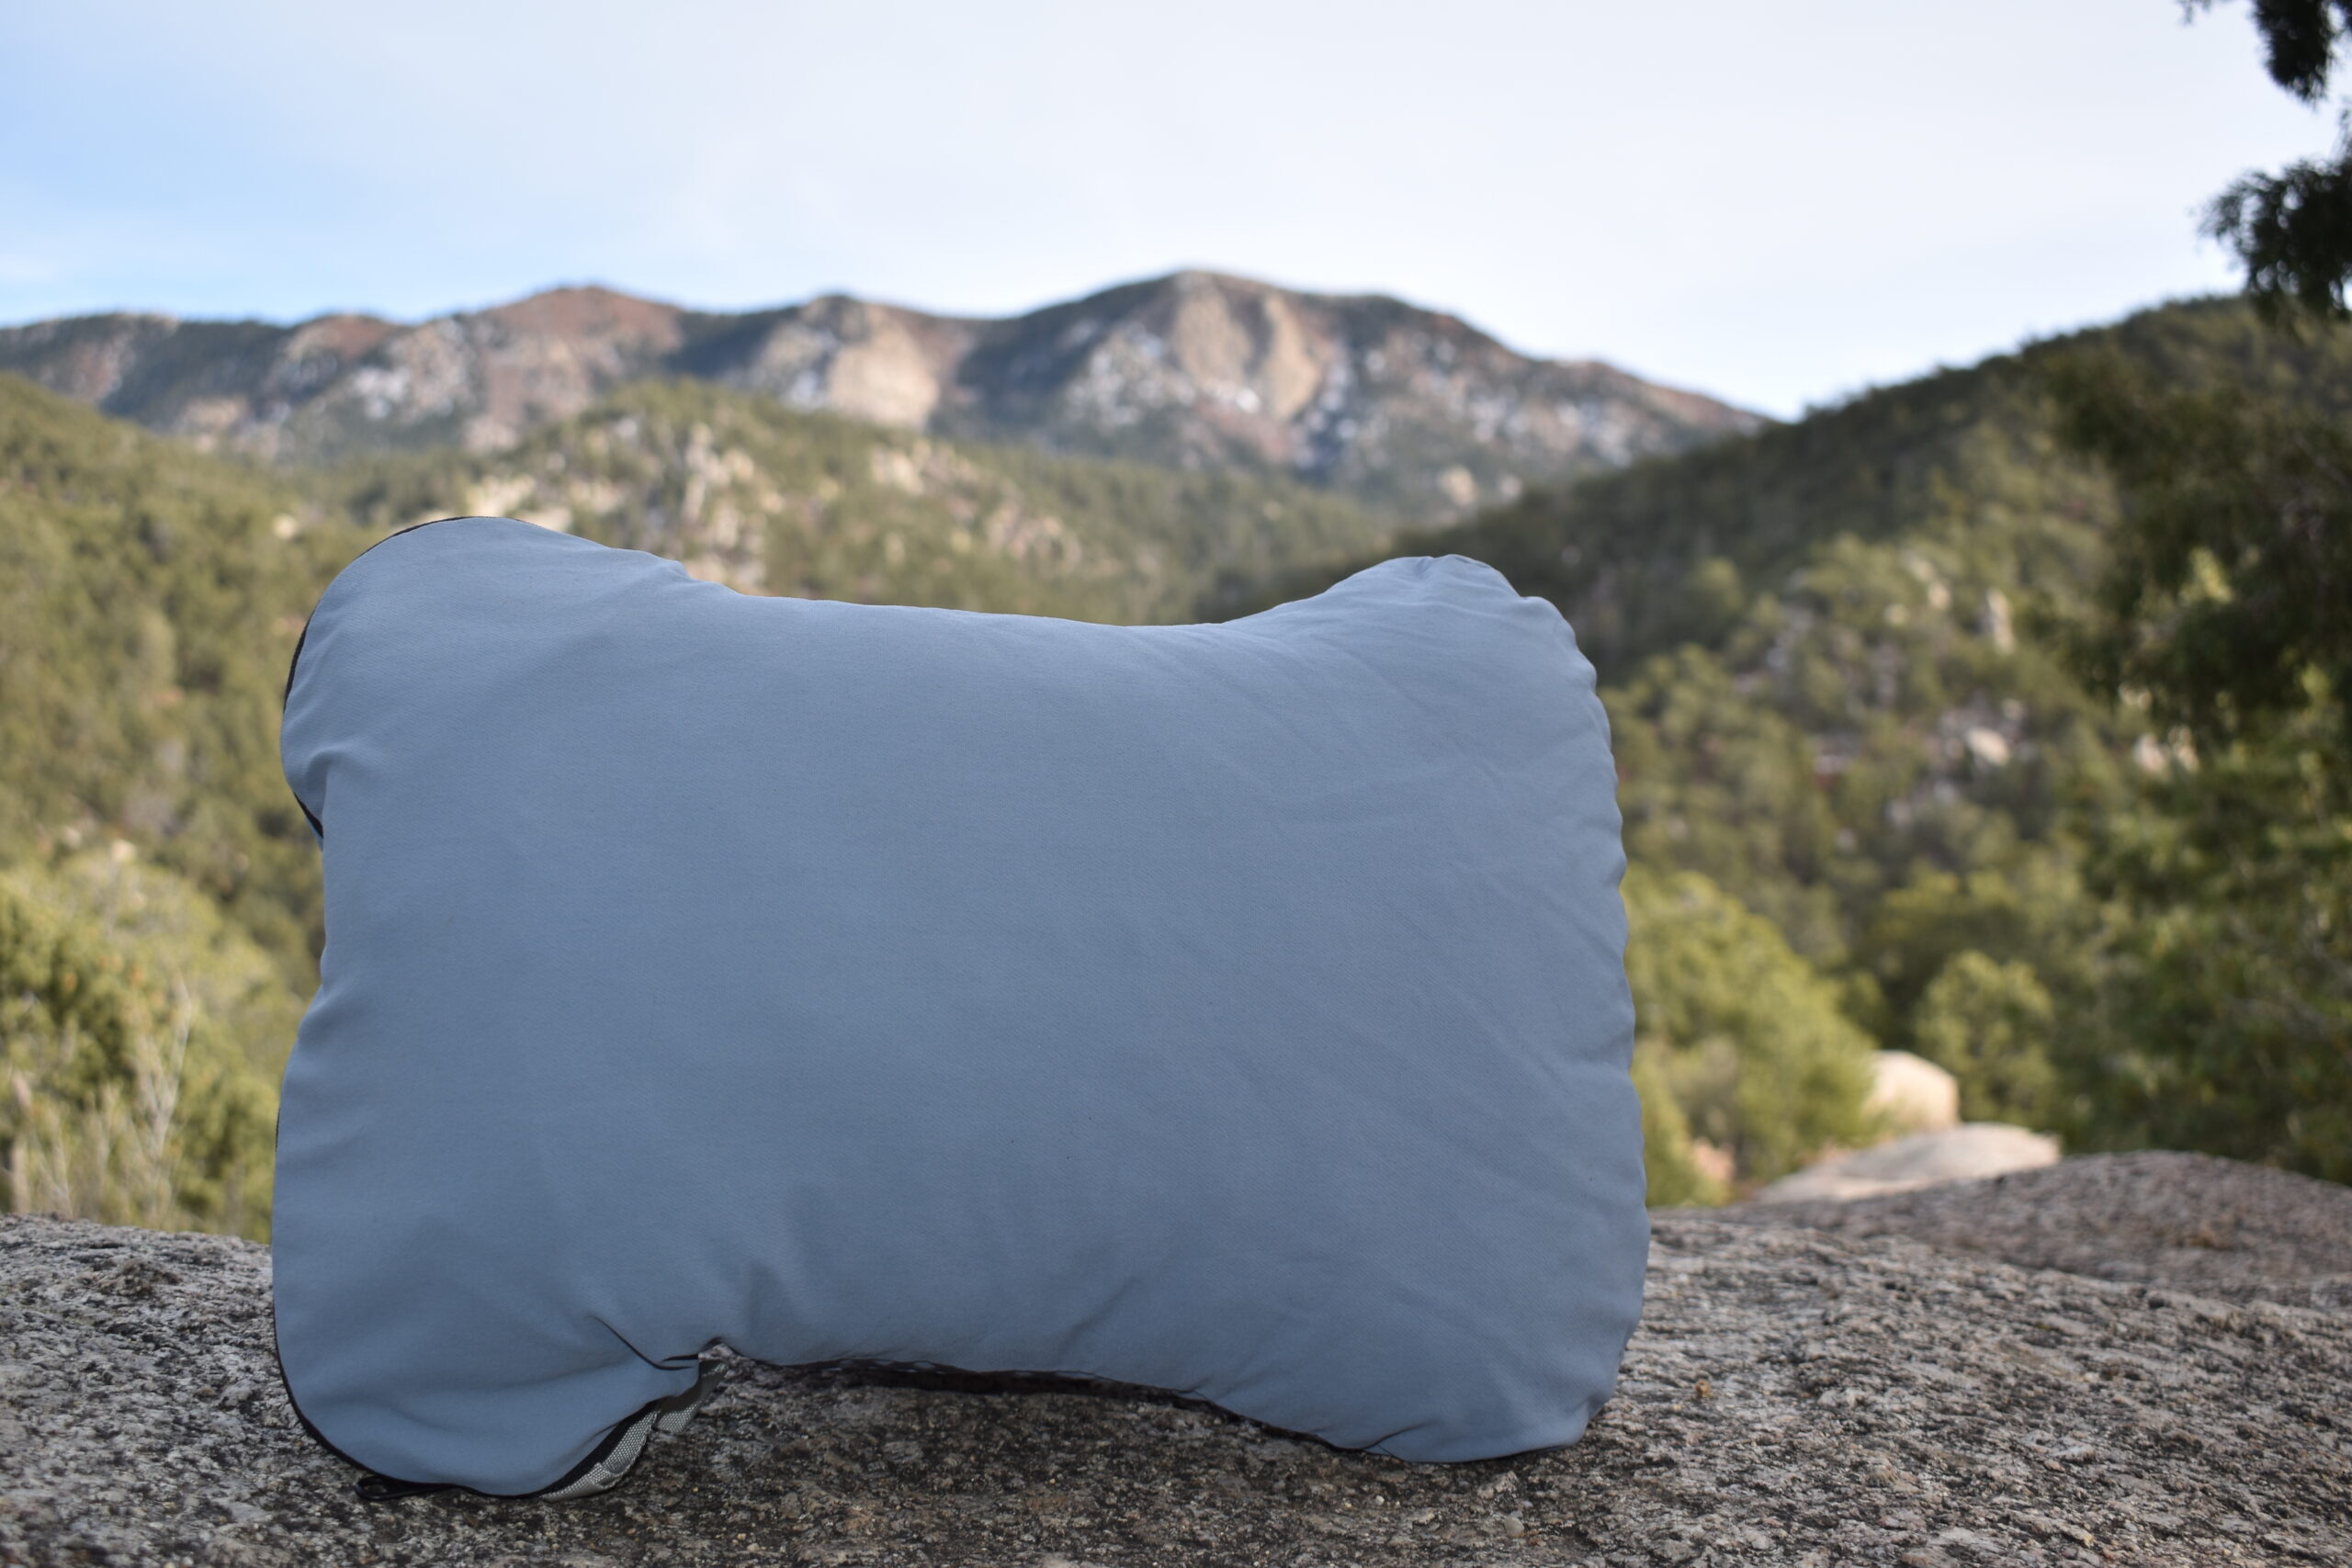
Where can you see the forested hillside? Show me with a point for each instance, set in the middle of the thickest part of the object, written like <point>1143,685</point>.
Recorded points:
<point>770,500</point>
<point>1834,658</point>
<point>159,890</point>
<point>150,598</point>
<point>1873,792</point>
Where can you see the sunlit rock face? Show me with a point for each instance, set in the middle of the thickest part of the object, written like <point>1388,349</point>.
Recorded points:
<point>1912,1094</point>
<point>1408,407</point>
<point>876,363</point>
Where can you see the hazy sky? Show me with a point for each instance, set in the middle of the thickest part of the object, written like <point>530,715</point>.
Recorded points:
<point>1776,202</point>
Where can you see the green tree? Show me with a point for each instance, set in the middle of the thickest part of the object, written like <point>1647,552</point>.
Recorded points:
<point>131,1016</point>
<point>2029,907</point>
<point>1714,781</point>
<point>2224,1019</point>
<point>2292,230</point>
<point>1679,1176</point>
<point>2231,567</point>
<point>1743,1035</point>
<point>150,600</point>
<point>1989,1021</point>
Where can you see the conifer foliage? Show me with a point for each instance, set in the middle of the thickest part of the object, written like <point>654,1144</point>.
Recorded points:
<point>2292,230</point>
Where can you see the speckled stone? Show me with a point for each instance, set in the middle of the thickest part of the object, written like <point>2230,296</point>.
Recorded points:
<point>1794,1396</point>
<point>2214,1226</point>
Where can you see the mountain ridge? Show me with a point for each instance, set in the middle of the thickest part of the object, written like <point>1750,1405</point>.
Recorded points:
<point>1410,409</point>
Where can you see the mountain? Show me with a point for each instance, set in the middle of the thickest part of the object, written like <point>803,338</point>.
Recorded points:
<point>150,595</point>
<point>1666,552</point>
<point>1858,773</point>
<point>1833,654</point>
<point>157,882</point>
<point>1817,638</point>
<point>1408,409</point>
<point>773,499</point>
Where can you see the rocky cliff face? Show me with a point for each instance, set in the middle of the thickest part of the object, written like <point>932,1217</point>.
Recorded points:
<point>1404,406</point>
<point>1793,1396</point>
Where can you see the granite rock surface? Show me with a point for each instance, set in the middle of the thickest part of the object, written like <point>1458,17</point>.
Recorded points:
<point>1937,1379</point>
<point>1966,1153</point>
<point>2212,1227</point>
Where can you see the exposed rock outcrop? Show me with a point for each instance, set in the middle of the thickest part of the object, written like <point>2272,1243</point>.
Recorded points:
<point>2191,1222</point>
<point>1912,1093</point>
<point>1792,1397</point>
<point>1967,1153</point>
<point>1388,402</point>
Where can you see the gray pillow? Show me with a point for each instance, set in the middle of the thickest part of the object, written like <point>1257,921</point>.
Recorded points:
<point>1235,1009</point>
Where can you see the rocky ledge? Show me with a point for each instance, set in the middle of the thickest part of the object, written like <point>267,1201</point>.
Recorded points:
<point>2133,1359</point>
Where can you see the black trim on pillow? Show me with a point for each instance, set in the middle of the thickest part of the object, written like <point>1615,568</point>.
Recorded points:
<point>371,1488</point>
<point>375,1487</point>
<point>295,662</point>
<point>596,1455</point>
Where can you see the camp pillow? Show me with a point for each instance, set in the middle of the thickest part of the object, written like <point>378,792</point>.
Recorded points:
<point>1235,1009</point>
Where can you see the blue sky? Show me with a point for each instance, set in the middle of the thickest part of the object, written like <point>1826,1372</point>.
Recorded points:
<point>1778,203</point>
